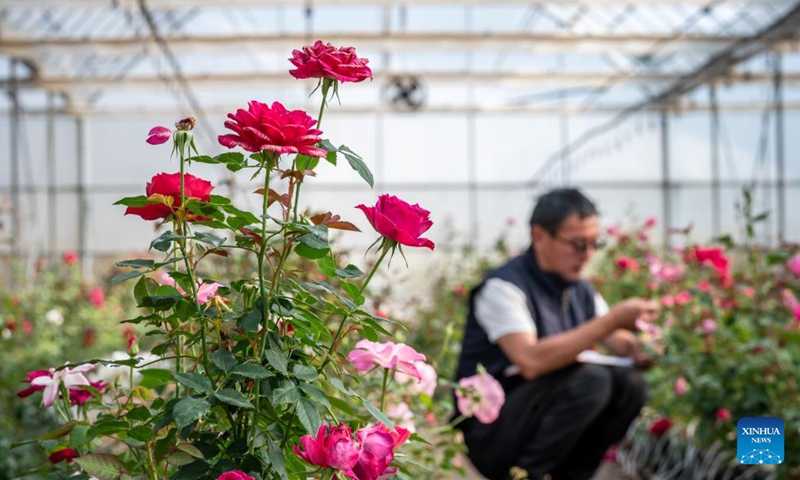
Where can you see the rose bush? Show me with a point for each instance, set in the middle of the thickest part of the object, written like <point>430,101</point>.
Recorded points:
<point>257,381</point>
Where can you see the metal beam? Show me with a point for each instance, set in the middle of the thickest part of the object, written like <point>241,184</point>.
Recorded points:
<point>19,46</point>
<point>228,80</point>
<point>223,110</point>
<point>198,4</point>
<point>715,68</point>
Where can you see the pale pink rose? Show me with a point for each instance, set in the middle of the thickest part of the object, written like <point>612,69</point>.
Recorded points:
<point>402,415</point>
<point>681,385</point>
<point>480,395</point>
<point>793,264</point>
<point>426,384</point>
<point>749,292</point>
<point>669,322</point>
<point>367,355</point>
<point>612,231</point>
<point>704,286</point>
<point>708,325</point>
<point>649,328</point>
<point>205,291</point>
<point>69,377</point>
<point>668,300</point>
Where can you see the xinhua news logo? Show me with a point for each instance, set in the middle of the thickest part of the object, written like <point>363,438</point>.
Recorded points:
<point>759,441</point>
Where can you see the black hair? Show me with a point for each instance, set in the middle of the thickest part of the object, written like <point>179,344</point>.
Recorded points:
<point>555,206</point>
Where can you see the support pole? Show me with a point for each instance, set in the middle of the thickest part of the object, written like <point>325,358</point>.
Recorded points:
<point>780,159</point>
<point>16,198</point>
<point>563,127</point>
<point>83,200</point>
<point>52,205</point>
<point>716,194</point>
<point>666,194</point>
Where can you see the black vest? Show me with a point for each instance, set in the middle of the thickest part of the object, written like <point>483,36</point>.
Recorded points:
<point>555,305</point>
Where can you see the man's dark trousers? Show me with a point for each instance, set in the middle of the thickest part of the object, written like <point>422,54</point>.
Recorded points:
<point>561,423</point>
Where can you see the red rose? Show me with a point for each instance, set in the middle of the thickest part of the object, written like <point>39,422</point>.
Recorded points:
<point>33,388</point>
<point>97,297</point>
<point>395,219</point>
<point>275,130</point>
<point>717,259</point>
<point>660,426</point>
<point>64,454</point>
<point>723,414</point>
<point>323,60</point>
<point>169,185</point>
<point>628,263</point>
<point>235,475</point>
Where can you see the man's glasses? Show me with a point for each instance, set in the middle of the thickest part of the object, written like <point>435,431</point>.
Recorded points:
<point>581,245</point>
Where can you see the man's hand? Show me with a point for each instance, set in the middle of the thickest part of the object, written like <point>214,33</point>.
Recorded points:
<point>626,312</point>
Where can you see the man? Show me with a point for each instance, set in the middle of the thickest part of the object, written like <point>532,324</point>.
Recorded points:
<point>528,321</point>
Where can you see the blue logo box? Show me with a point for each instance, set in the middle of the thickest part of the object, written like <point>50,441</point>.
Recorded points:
<point>759,441</point>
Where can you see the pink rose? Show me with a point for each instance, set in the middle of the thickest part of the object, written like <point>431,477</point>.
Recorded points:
<point>681,385</point>
<point>397,220</point>
<point>70,258</point>
<point>628,263</point>
<point>388,355</point>
<point>612,231</point>
<point>749,292</point>
<point>97,297</point>
<point>169,185</point>
<point>377,452</point>
<point>332,447</point>
<point>793,264</point>
<point>205,291</point>
<point>235,475</point>
<point>668,300</point>
<point>323,60</point>
<point>158,135</point>
<point>717,259</point>
<point>723,414</point>
<point>79,396</point>
<point>683,297</point>
<point>708,325</point>
<point>33,388</point>
<point>275,130</point>
<point>426,384</point>
<point>650,222</point>
<point>480,395</point>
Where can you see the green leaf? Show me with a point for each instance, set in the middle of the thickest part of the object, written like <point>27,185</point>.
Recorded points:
<point>137,201</point>
<point>308,415</point>
<point>155,377</point>
<point>126,276</point>
<point>328,146</point>
<point>304,162</point>
<point>350,271</point>
<point>232,397</point>
<point>315,393</point>
<point>285,393</point>
<point>107,427</point>
<point>354,293</point>
<point>138,263</point>
<point>250,321</point>
<point>276,458</point>
<point>145,287</point>
<point>193,471</point>
<point>219,200</point>
<point>78,436</point>
<point>224,360</point>
<point>163,242</point>
<point>276,359</point>
<point>358,164</point>
<point>188,410</point>
<point>58,432</point>
<point>338,385</point>
<point>179,459</point>
<point>316,238</point>
<point>304,372</point>
<point>160,301</point>
<point>209,239</point>
<point>201,159</point>
<point>417,438</point>
<point>376,413</point>
<point>199,382</point>
<point>310,253</point>
<point>103,466</point>
<point>327,266</point>
<point>251,370</point>
<point>138,414</point>
<point>190,449</point>
<point>143,433</point>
